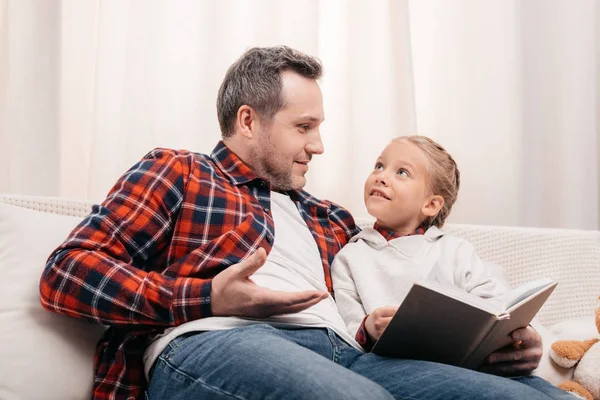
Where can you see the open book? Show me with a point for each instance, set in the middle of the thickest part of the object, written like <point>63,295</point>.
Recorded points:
<point>440,323</point>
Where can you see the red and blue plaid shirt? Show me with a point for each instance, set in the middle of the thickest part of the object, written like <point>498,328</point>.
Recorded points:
<point>144,259</point>
<point>361,334</point>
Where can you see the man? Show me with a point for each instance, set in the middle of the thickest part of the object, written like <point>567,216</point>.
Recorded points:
<point>174,262</point>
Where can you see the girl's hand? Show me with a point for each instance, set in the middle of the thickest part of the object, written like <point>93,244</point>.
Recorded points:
<point>378,320</point>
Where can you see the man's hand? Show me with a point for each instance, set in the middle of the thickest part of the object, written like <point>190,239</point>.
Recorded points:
<point>234,294</point>
<point>378,320</point>
<point>520,358</point>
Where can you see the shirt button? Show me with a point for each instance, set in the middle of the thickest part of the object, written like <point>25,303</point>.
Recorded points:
<point>267,210</point>
<point>269,238</point>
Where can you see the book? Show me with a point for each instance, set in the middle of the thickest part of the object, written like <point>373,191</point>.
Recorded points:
<point>439,322</point>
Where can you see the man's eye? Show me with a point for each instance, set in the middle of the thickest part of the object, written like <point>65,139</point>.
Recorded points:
<point>303,127</point>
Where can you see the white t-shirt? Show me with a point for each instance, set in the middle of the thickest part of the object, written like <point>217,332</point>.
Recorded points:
<point>293,265</point>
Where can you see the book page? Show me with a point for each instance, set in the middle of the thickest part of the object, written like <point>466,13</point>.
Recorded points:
<point>518,294</point>
<point>492,306</point>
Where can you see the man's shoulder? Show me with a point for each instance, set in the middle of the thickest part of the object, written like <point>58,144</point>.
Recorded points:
<point>192,160</point>
<point>164,152</point>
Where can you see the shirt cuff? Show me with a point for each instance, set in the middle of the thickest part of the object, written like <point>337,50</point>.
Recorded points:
<point>362,337</point>
<point>191,300</point>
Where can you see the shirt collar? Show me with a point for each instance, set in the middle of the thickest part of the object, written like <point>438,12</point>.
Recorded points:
<point>306,198</point>
<point>389,234</point>
<point>231,165</point>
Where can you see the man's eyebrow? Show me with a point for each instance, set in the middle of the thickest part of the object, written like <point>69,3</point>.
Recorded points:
<point>309,118</point>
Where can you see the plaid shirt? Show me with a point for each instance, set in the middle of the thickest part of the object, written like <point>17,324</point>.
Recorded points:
<point>144,259</point>
<point>389,234</point>
<point>361,334</point>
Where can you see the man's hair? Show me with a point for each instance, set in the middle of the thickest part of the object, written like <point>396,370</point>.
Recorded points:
<point>255,80</point>
<point>444,176</point>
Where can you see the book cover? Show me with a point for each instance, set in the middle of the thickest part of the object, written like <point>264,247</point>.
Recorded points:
<point>439,323</point>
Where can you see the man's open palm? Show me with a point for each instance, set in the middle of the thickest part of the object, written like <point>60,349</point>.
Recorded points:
<point>235,294</point>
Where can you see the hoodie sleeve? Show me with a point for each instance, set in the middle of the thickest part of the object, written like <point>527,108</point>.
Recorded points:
<point>473,275</point>
<point>346,296</point>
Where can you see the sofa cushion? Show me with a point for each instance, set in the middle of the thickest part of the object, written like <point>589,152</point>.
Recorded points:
<point>44,355</point>
<point>583,328</point>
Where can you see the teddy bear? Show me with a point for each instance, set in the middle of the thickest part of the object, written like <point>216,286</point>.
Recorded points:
<point>585,356</point>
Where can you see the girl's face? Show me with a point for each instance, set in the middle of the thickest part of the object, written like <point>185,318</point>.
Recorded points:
<point>397,192</point>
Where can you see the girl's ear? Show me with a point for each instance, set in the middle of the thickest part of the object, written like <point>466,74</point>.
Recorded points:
<point>433,206</point>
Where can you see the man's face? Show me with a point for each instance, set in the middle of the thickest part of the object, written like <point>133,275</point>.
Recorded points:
<point>284,147</point>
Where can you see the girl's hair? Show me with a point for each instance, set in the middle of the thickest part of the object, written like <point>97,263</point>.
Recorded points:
<point>444,176</point>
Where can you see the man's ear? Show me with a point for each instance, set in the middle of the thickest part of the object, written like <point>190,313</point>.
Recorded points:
<point>433,206</point>
<point>246,121</point>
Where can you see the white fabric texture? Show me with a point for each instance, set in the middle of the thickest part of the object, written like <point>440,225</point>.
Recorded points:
<point>583,328</point>
<point>511,88</point>
<point>371,272</point>
<point>60,206</point>
<point>43,355</point>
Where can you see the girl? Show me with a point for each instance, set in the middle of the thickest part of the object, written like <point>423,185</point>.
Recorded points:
<point>410,192</point>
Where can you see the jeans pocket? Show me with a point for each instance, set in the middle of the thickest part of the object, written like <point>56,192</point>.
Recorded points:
<point>174,345</point>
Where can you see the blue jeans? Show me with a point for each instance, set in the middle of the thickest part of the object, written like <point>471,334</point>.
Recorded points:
<point>262,362</point>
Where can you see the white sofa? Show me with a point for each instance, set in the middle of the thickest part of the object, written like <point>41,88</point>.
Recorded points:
<point>49,356</point>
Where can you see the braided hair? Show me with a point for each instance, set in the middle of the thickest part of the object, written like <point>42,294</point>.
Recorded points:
<point>444,176</point>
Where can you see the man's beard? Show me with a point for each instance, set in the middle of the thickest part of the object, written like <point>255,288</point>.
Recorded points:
<point>268,164</point>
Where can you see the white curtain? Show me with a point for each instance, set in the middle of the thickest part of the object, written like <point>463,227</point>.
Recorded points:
<point>511,88</point>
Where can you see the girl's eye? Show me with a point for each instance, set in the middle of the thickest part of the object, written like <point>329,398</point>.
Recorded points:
<point>379,166</point>
<point>403,172</point>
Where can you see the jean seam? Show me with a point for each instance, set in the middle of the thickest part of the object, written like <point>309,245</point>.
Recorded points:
<point>335,357</point>
<point>198,380</point>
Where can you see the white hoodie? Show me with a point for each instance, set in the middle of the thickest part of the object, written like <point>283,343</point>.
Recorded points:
<point>371,272</point>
